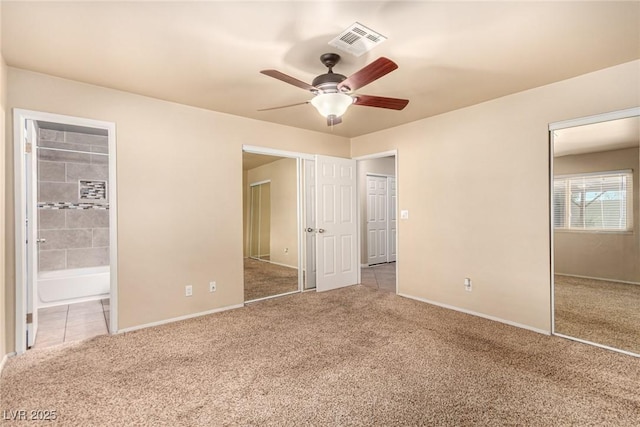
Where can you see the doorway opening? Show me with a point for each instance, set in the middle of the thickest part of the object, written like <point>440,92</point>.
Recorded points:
<point>271,231</point>
<point>377,188</point>
<point>595,217</point>
<point>318,220</point>
<point>65,195</point>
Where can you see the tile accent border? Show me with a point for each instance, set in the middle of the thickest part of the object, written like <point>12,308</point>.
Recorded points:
<point>69,205</point>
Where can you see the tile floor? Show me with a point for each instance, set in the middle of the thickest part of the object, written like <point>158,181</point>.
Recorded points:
<point>380,276</point>
<point>73,322</point>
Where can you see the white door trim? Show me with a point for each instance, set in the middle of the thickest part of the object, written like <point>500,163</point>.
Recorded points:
<point>604,117</point>
<point>20,116</point>
<point>266,181</point>
<point>392,218</point>
<point>275,152</point>
<point>379,155</point>
<point>389,153</point>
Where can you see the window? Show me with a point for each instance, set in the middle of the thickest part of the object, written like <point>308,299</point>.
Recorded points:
<point>597,201</point>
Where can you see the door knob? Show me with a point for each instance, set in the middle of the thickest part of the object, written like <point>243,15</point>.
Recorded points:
<point>320,230</point>
<point>309,230</point>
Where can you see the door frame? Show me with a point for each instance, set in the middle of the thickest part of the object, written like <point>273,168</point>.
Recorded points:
<point>378,155</point>
<point>20,117</point>
<point>254,149</point>
<point>581,121</point>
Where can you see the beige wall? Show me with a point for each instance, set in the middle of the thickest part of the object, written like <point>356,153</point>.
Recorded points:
<point>3,101</point>
<point>284,204</point>
<point>383,166</point>
<point>476,184</point>
<point>179,172</point>
<point>448,167</point>
<point>600,255</point>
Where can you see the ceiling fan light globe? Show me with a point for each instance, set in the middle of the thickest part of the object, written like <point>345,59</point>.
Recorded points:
<point>332,104</point>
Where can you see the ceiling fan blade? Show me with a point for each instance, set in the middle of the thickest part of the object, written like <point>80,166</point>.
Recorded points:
<point>366,75</point>
<point>380,102</point>
<point>284,106</point>
<point>288,79</point>
<point>333,120</point>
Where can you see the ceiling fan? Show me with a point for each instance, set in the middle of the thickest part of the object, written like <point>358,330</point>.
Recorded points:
<point>333,92</point>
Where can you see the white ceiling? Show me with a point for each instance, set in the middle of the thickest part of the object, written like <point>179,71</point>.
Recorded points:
<point>209,53</point>
<point>596,137</point>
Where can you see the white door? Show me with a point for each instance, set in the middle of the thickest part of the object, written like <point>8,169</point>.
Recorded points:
<point>391,241</point>
<point>336,222</point>
<point>31,175</point>
<point>377,227</point>
<point>310,224</point>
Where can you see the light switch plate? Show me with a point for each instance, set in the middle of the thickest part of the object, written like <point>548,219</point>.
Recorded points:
<point>404,214</point>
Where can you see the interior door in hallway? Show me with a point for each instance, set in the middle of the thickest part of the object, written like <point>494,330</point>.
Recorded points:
<point>377,226</point>
<point>31,191</point>
<point>336,222</point>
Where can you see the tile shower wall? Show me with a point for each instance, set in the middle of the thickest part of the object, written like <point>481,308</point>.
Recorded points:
<point>75,227</point>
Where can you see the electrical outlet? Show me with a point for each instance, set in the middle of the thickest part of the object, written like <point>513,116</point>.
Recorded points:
<point>188,291</point>
<point>467,284</point>
<point>212,286</point>
<point>286,250</point>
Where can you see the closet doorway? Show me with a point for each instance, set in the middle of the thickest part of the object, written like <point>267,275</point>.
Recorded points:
<point>270,199</point>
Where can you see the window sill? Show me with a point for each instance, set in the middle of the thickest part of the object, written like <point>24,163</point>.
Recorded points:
<point>564,230</point>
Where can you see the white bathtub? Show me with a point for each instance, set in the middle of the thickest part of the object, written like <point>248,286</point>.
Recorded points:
<point>75,285</point>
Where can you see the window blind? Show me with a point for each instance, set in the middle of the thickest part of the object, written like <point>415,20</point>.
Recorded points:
<point>600,201</point>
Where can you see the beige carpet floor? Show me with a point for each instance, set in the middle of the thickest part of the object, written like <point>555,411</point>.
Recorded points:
<point>599,311</point>
<point>264,279</point>
<point>354,356</point>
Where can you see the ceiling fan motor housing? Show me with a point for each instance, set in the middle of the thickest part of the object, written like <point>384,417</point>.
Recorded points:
<point>327,83</point>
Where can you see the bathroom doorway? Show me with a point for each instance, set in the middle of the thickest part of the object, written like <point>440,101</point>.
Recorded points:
<point>65,229</point>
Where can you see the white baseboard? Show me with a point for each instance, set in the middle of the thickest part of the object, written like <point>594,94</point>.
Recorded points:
<point>4,360</point>
<point>474,313</point>
<point>282,265</point>
<point>598,278</point>
<point>628,353</point>
<point>177,319</point>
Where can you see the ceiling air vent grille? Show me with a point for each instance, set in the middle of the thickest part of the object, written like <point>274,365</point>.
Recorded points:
<point>357,39</point>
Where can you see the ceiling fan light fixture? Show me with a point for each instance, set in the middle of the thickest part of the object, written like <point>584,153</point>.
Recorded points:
<point>332,104</point>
